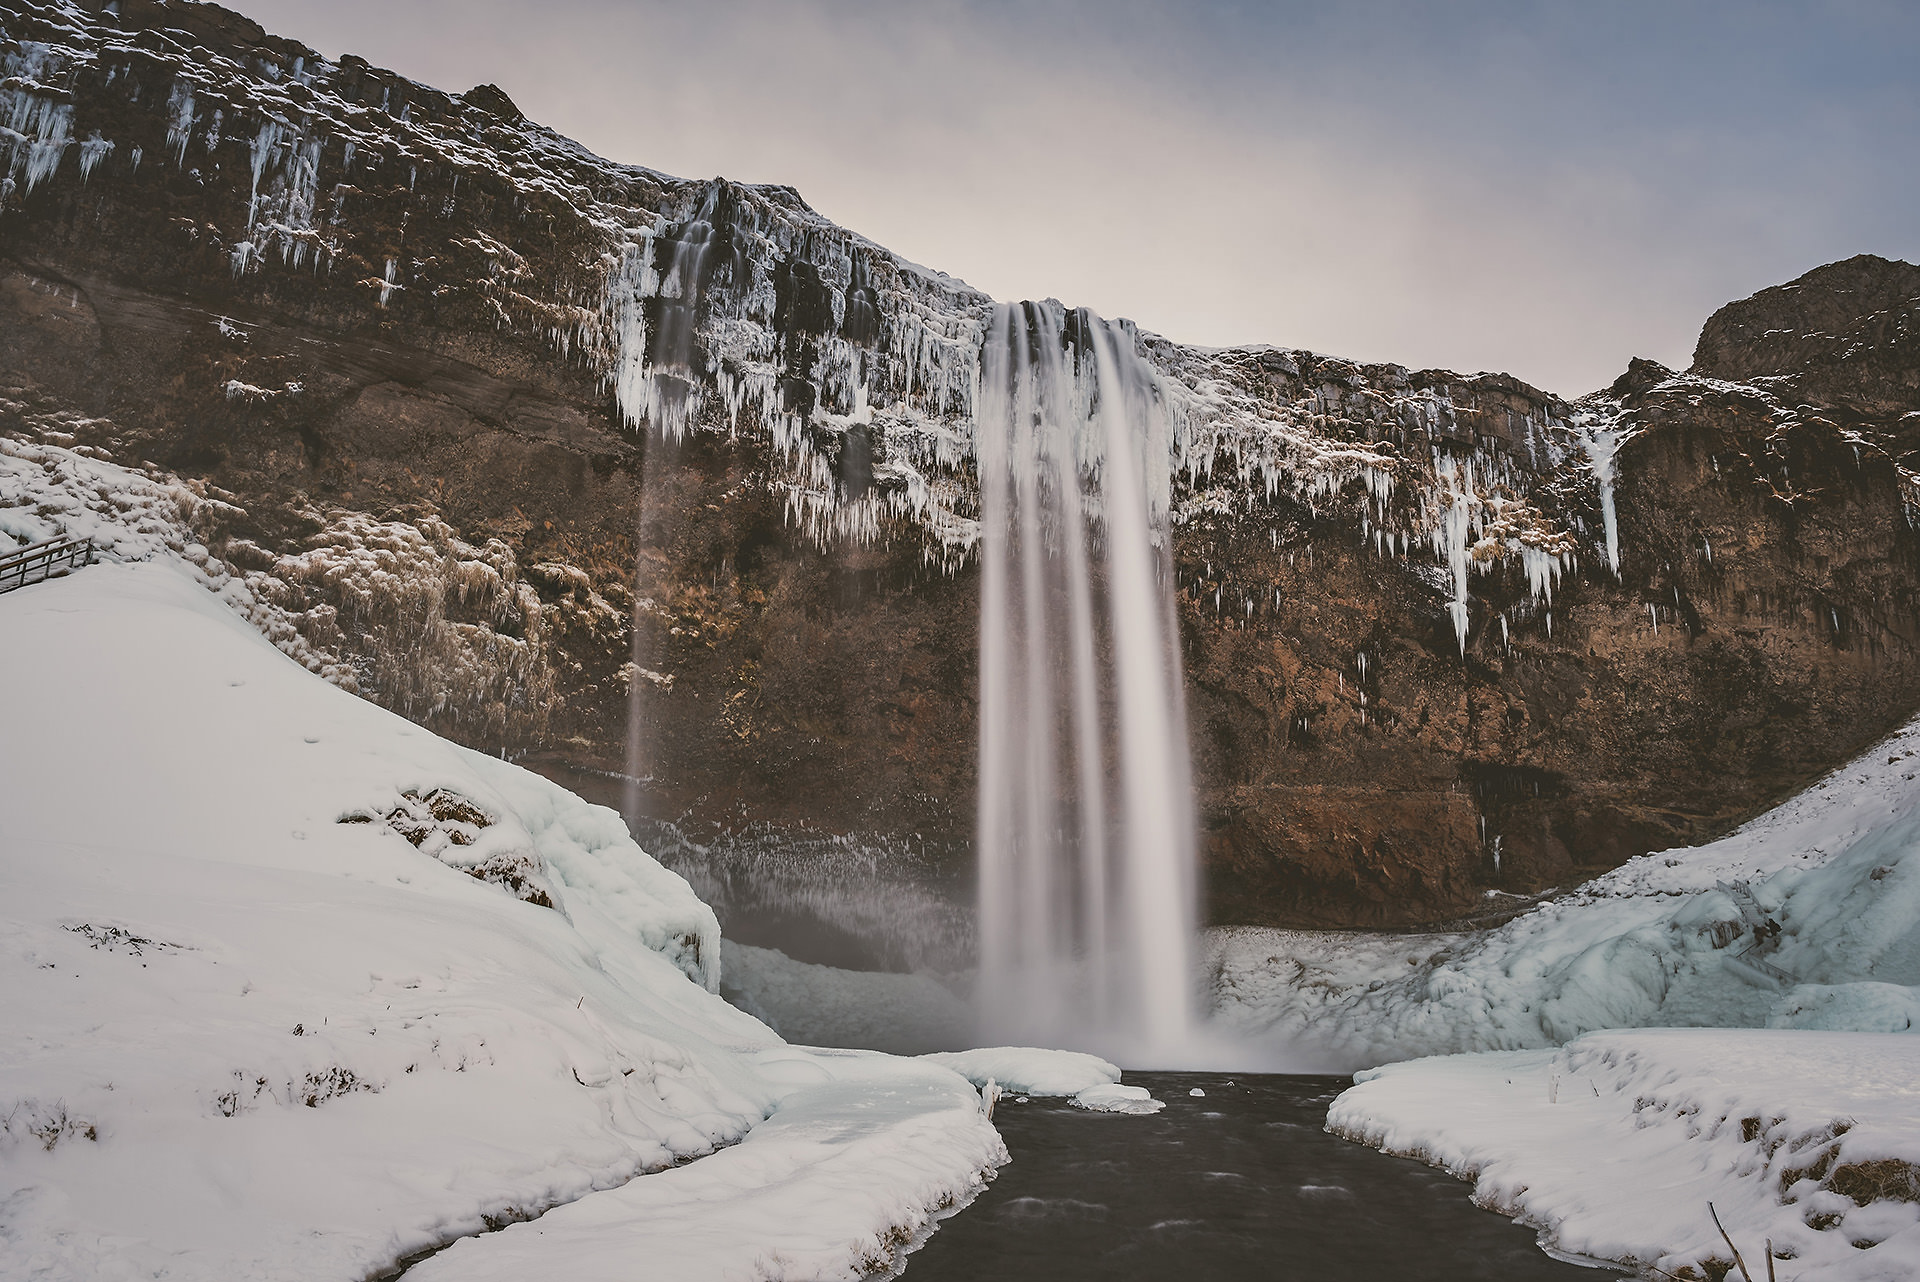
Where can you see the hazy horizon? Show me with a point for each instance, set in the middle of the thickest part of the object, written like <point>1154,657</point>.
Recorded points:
<point>1542,190</point>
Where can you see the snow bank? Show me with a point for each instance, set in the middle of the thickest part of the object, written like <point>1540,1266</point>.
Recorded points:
<point>294,988</point>
<point>1089,1081</point>
<point>1807,917</point>
<point>849,1144</point>
<point>1028,1070</point>
<point>1616,1144</point>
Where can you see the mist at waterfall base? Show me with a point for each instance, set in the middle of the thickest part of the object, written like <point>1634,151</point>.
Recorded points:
<point>1086,822</point>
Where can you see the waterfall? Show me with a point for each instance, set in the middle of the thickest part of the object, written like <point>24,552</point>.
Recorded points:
<point>657,381</point>
<point>1086,822</point>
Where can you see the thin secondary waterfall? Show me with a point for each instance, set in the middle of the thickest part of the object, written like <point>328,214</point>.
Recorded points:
<point>1086,821</point>
<point>657,382</point>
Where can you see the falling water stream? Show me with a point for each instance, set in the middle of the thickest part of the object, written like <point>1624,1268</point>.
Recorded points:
<point>1086,825</point>
<point>657,384</point>
<point>1086,821</point>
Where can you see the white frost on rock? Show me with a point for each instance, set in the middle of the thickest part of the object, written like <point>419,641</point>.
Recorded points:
<point>254,1029</point>
<point>1615,1145</point>
<point>406,585</point>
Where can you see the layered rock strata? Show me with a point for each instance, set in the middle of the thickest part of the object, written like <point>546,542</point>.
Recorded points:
<point>519,432</point>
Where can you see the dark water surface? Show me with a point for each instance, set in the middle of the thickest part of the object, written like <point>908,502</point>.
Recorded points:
<point>1243,1183</point>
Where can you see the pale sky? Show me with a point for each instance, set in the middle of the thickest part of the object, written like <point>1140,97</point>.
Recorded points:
<point>1545,189</point>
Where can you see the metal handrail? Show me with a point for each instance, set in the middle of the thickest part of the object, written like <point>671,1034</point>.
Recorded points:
<point>43,560</point>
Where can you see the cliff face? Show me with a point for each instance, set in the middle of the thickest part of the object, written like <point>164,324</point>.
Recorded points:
<point>1444,634</point>
<point>1846,336</point>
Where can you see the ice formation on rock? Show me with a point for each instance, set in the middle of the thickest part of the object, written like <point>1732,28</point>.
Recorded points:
<point>1804,918</point>
<point>857,367</point>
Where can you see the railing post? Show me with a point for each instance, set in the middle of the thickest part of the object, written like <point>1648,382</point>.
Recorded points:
<point>39,561</point>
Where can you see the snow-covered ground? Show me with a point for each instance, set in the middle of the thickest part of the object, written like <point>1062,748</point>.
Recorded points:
<point>295,989</point>
<point>1768,982</point>
<point>1617,1143</point>
<point>1807,917</point>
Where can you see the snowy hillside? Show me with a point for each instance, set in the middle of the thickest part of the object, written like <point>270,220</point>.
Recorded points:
<point>1808,917</point>
<point>295,989</point>
<point>1805,1144</point>
<point>1801,1129</point>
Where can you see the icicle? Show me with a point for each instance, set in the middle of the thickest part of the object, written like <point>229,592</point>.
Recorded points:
<point>1601,445</point>
<point>1451,535</point>
<point>93,151</point>
<point>179,121</point>
<point>262,151</point>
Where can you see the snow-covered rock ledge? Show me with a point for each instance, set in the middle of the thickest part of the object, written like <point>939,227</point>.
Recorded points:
<point>295,989</point>
<point>1615,1144</point>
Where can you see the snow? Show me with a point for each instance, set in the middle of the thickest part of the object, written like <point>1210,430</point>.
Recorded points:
<point>48,490</point>
<point>283,1000</point>
<point>1027,1070</point>
<point>1760,991</point>
<point>1117,1099</point>
<point>847,1144</point>
<point>1808,917</point>
<point>396,581</point>
<point>1617,1143</point>
<point>1086,1080</point>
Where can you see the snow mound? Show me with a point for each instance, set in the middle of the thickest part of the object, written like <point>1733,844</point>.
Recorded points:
<point>1807,917</point>
<point>1117,1099</point>
<point>829,1006</point>
<point>1029,1070</point>
<point>1616,1144</point>
<point>253,1032</point>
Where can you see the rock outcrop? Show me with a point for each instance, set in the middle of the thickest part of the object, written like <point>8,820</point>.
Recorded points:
<point>540,449</point>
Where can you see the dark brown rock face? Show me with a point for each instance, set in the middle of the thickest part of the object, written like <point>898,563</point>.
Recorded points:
<point>1762,626</point>
<point>1846,336</point>
<point>397,342</point>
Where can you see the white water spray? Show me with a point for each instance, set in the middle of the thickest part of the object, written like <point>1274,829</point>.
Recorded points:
<point>1086,823</point>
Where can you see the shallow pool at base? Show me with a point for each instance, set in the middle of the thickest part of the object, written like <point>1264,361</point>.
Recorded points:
<point>1240,1182</point>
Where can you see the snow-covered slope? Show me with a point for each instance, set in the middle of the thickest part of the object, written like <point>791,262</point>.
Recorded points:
<point>1807,917</point>
<point>1617,1144</point>
<point>294,989</point>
